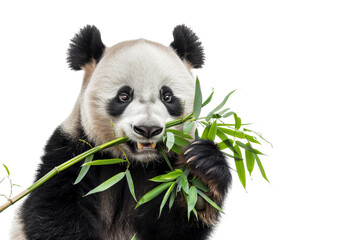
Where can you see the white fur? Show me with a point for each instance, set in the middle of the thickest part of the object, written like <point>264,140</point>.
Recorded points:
<point>145,67</point>
<point>17,231</point>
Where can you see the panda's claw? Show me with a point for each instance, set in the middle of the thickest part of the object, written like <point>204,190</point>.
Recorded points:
<point>187,151</point>
<point>191,159</point>
<point>209,171</point>
<point>199,165</point>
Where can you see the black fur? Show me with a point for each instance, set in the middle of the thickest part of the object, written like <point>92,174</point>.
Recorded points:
<point>174,106</point>
<point>85,47</point>
<point>116,107</point>
<point>187,46</point>
<point>57,210</point>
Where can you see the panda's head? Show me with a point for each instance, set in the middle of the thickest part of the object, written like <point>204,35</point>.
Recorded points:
<point>132,88</point>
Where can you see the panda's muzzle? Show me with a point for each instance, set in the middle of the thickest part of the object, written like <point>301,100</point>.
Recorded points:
<point>148,132</point>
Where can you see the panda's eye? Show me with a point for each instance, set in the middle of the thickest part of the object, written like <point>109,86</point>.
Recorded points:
<point>124,97</point>
<point>167,97</point>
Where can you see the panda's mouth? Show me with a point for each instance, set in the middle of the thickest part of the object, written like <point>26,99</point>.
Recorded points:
<point>145,146</point>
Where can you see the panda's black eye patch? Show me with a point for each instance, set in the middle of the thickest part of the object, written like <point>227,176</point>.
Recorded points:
<point>171,102</point>
<point>118,104</point>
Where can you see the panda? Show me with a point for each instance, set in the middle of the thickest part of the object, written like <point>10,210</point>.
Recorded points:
<point>130,89</point>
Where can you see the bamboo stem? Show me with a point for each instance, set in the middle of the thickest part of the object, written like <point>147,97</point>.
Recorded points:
<point>60,168</point>
<point>75,160</point>
<point>14,200</point>
<point>179,121</point>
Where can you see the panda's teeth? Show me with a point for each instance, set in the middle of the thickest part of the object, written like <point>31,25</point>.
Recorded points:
<point>146,146</point>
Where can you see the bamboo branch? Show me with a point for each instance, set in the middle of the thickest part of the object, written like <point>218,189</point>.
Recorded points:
<point>75,160</point>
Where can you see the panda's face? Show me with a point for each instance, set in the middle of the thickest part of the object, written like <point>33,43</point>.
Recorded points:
<point>136,87</point>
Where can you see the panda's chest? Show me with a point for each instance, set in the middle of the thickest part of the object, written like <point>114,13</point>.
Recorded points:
<point>115,208</point>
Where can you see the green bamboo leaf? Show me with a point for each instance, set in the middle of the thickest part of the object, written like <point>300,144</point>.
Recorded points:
<point>230,146</point>
<point>104,162</point>
<point>84,169</point>
<point>262,170</point>
<point>192,198</point>
<point>172,198</point>
<point>258,134</point>
<point>212,131</point>
<point>177,149</point>
<point>222,145</point>
<point>134,237</point>
<point>165,157</point>
<point>195,213</point>
<point>166,196</point>
<point>237,121</point>
<point>7,169</point>
<point>219,106</point>
<point>167,177</point>
<point>197,100</point>
<point>205,123</point>
<point>209,116</point>
<point>179,185</point>
<point>181,142</point>
<point>228,114</point>
<point>179,133</point>
<point>240,167</point>
<point>232,133</point>
<point>170,140</point>
<point>153,193</point>
<point>234,156</point>
<point>188,127</point>
<point>249,148</point>
<point>197,137</point>
<point>206,198</point>
<point>130,184</point>
<point>221,134</point>
<point>107,184</point>
<point>200,185</point>
<point>205,133</point>
<point>208,99</point>
<point>187,172</point>
<point>226,124</point>
<point>225,140</point>
<point>250,161</point>
<point>223,111</point>
<point>251,139</point>
<point>184,183</point>
<point>215,115</point>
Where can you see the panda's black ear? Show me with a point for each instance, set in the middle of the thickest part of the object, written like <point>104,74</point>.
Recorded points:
<point>187,46</point>
<point>85,47</point>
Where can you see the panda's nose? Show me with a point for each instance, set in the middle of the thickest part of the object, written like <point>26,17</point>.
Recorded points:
<point>148,131</point>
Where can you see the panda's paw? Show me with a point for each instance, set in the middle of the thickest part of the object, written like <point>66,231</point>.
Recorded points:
<point>206,161</point>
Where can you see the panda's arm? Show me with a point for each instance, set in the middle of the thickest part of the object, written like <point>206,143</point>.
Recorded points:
<point>57,210</point>
<point>206,161</point>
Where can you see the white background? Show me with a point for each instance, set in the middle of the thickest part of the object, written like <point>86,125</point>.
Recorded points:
<point>295,65</point>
